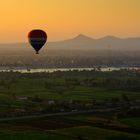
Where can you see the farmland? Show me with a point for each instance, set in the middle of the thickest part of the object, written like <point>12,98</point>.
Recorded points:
<point>99,105</point>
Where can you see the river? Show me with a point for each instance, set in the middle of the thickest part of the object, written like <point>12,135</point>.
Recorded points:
<point>51,70</point>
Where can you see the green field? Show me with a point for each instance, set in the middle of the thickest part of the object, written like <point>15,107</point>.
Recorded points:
<point>134,122</point>
<point>31,135</point>
<point>75,133</point>
<point>70,90</point>
<point>63,128</point>
<point>90,133</point>
<point>67,86</point>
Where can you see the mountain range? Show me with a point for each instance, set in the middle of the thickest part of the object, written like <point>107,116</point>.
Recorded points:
<point>80,42</point>
<point>88,43</point>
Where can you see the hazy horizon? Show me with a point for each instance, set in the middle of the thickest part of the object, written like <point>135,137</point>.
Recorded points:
<point>80,34</point>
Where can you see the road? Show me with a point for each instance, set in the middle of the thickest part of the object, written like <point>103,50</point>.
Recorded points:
<point>55,114</point>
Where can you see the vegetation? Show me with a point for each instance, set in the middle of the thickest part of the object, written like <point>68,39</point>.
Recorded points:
<point>134,122</point>
<point>88,133</point>
<point>30,135</point>
<point>105,105</point>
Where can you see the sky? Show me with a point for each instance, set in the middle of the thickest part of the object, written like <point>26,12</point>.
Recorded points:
<point>63,19</point>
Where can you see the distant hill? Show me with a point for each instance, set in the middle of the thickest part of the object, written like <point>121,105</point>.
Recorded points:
<point>108,42</point>
<point>80,42</point>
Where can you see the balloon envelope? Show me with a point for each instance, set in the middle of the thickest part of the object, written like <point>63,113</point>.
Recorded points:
<point>37,38</point>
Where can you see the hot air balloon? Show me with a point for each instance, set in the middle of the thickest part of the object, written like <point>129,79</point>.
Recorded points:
<point>37,38</point>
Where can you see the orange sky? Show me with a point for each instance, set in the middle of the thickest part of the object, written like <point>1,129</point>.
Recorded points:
<point>66,18</point>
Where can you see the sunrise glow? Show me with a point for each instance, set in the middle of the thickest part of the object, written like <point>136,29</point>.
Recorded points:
<point>66,18</point>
